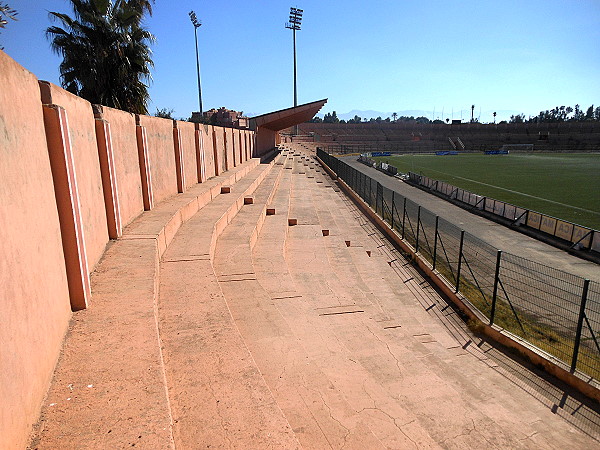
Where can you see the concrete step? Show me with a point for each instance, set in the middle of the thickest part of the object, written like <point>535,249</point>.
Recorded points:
<point>207,361</point>
<point>109,386</point>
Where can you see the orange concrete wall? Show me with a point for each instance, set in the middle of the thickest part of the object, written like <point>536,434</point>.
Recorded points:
<point>188,144</point>
<point>229,148</point>
<point>34,299</point>
<point>129,185</point>
<point>252,144</point>
<point>266,140</point>
<point>207,147</point>
<point>219,143</point>
<point>82,131</point>
<point>239,145</point>
<point>237,154</point>
<point>161,152</point>
<point>247,154</point>
<point>35,307</point>
<point>244,140</point>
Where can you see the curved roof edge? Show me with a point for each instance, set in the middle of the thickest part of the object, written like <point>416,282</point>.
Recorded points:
<point>285,118</point>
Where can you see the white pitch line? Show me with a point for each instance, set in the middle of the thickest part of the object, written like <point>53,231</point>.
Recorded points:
<point>514,192</point>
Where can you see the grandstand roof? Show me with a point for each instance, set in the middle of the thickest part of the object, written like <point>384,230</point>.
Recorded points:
<point>285,118</point>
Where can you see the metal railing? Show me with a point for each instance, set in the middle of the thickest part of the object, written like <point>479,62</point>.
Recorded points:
<point>555,311</point>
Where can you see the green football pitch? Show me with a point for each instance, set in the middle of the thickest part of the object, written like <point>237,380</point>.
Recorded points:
<point>566,186</point>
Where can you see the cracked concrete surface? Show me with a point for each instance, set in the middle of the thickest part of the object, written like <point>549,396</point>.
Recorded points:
<point>276,336</point>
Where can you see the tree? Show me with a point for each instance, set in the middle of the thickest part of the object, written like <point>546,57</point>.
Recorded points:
<point>394,116</point>
<point>164,113</point>
<point>105,50</point>
<point>578,114</point>
<point>6,12</point>
<point>519,118</point>
<point>589,114</point>
<point>331,118</point>
<point>494,116</point>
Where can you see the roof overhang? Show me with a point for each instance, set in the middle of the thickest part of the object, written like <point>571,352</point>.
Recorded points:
<point>285,118</point>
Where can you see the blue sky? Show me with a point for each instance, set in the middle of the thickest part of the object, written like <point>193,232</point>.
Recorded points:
<point>517,56</point>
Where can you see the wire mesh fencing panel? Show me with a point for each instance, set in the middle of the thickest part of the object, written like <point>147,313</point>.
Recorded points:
<point>426,234</point>
<point>388,202</point>
<point>447,250</point>
<point>540,304</point>
<point>588,358</point>
<point>477,267</point>
<point>409,222</point>
<point>556,311</point>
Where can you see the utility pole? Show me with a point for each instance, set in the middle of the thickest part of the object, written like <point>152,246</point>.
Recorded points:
<point>294,24</point>
<point>197,24</point>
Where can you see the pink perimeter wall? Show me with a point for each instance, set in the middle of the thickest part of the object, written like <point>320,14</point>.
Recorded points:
<point>82,131</point>
<point>34,298</point>
<point>187,132</point>
<point>35,306</point>
<point>231,163</point>
<point>219,146</point>
<point>124,143</point>
<point>205,133</point>
<point>162,156</point>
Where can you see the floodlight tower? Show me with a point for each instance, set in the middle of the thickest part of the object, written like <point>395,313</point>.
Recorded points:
<point>197,24</point>
<point>294,25</point>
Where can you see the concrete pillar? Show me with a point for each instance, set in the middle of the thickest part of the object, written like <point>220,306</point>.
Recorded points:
<point>179,160</point>
<point>109,178</point>
<point>200,158</point>
<point>68,205</point>
<point>144,160</point>
<point>218,168</point>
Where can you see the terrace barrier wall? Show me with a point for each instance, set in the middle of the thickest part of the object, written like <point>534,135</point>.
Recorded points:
<point>73,176</point>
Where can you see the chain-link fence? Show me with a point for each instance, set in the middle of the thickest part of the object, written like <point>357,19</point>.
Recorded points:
<point>553,310</point>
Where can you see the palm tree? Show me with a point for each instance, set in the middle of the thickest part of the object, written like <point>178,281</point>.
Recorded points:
<point>105,50</point>
<point>6,12</point>
<point>394,116</point>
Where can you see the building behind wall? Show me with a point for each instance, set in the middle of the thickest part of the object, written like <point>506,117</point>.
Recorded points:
<point>223,117</point>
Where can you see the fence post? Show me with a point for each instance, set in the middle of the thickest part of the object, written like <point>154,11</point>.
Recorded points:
<point>460,252</point>
<point>586,285</point>
<point>418,228</point>
<point>403,217</point>
<point>362,185</point>
<point>393,195</point>
<point>435,236</point>
<point>496,280</point>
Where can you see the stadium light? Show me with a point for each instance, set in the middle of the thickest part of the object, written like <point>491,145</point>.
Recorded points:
<point>197,24</point>
<point>294,24</point>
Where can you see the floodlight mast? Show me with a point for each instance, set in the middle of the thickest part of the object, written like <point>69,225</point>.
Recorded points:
<point>197,24</point>
<point>295,25</point>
